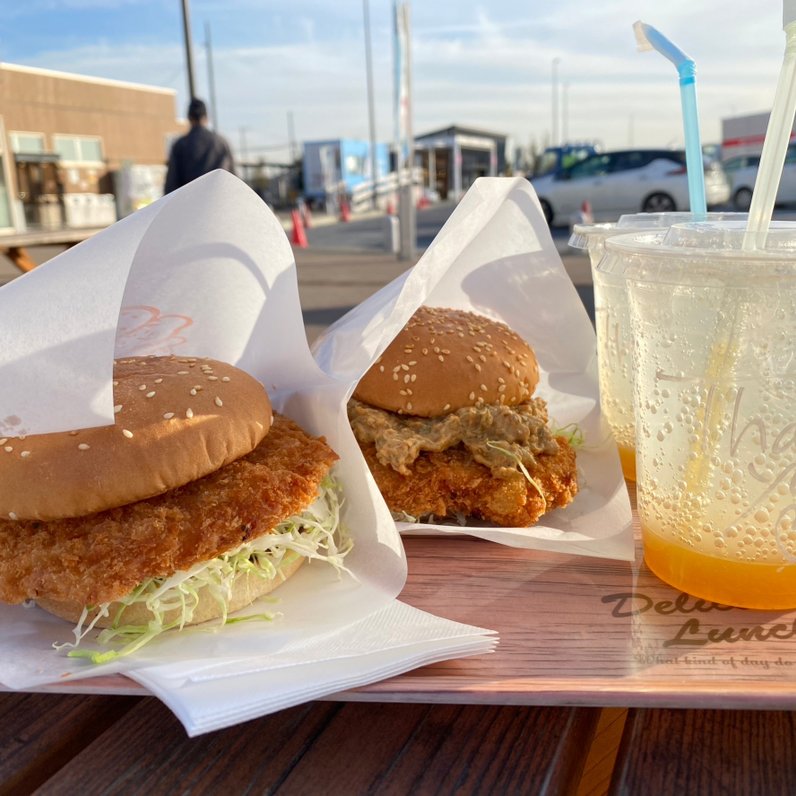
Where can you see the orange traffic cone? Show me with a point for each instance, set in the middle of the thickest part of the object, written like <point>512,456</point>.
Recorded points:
<point>422,202</point>
<point>585,212</point>
<point>299,237</point>
<point>345,211</point>
<point>390,207</point>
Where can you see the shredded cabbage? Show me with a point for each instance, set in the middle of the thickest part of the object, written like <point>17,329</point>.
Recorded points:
<point>315,533</point>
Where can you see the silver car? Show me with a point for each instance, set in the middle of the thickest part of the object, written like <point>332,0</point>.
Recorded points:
<point>627,181</point>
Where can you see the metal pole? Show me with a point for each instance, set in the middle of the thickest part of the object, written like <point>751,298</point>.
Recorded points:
<point>565,113</point>
<point>291,136</point>
<point>406,205</point>
<point>374,163</point>
<point>186,25</point>
<point>554,104</point>
<point>211,79</point>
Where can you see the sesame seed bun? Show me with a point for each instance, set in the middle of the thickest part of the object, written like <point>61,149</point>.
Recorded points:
<point>177,419</point>
<point>444,360</point>
<point>245,589</point>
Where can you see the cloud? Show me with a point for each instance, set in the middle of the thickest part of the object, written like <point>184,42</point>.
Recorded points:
<point>475,63</point>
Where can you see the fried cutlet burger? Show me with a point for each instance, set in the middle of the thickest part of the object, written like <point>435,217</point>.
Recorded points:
<point>197,501</point>
<point>448,424</point>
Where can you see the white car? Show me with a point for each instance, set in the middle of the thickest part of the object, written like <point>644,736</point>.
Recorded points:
<point>742,173</point>
<point>629,181</point>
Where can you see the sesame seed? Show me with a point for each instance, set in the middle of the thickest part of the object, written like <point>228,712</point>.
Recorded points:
<point>8,448</point>
<point>413,377</point>
<point>212,378</point>
<point>469,358</point>
<point>425,351</point>
<point>446,407</point>
<point>150,394</point>
<point>115,383</point>
<point>441,358</point>
<point>73,433</point>
<point>412,363</point>
<point>193,390</point>
<point>402,392</point>
<point>225,378</point>
<point>395,377</point>
<point>381,368</point>
<point>142,387</point>
<point>3,441</point>
<point>117,409</point>
<point>409,407</point>
<point>218,401</point>
<point>189,413</point>
<point>25,454</point>
<point>83,446</point>
<point>407,379</point>
<point>472,396</point>
<point>12,515</point>
<point>396,368</point>
<point>482,358</point>
<point>168,415</point>
<point>502,388</point>
<point>501,380</point>
<point>404,367</point>
<point>183,372</point>
<point>483,387</point>
<point>158,381</point>
<point>128,434</point>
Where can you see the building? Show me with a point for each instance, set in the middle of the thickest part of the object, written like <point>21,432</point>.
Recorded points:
<point>744,135</point>
<point>453,158</point>
<point>340,165</point>
<point>67,140</point>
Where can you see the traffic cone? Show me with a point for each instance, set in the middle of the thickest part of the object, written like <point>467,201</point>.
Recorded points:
<point>422,202</point>
<point>345,211</point>
<point>585,212</point>
<point>390,207</point>
<point>299,237</point>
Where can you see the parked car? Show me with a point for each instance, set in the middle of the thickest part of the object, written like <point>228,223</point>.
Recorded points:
<point>742,173</point>
<point>627,181</point>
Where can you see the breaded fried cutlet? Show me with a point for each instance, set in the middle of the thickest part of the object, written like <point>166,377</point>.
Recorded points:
<point>451,483</point>
<point>103,556</point>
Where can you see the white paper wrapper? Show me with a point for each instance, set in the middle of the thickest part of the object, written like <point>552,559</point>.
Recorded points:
<point>205,271</point>
<point>495,256</point>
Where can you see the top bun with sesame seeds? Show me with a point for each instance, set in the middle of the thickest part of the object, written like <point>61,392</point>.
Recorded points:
<point>177,420</point>
<point>444,360</point>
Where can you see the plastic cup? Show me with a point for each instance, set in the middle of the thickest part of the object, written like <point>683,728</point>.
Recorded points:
<point>715,407</point>
<point>612,322</point>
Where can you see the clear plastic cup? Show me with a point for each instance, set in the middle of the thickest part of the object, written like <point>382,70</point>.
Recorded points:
<point>715,406</point>
<point>612,322</point>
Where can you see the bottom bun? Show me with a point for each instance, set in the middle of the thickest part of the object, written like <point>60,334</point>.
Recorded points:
<point>245,589</point>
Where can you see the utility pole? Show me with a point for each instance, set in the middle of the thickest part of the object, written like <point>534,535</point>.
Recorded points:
<point>404,144</point>
<point>291,137</point>
<point>554,103</point>
<point>211,79</point>
<point>374,163</point>
<point>186,25</point>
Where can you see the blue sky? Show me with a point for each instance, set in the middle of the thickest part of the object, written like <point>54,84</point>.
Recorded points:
<point>484,64</point>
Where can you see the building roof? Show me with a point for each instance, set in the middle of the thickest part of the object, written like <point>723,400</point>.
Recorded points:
<point>455,129</point>
<point>35,70</point>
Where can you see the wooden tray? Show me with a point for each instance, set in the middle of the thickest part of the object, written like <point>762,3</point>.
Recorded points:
<point>576,631</point>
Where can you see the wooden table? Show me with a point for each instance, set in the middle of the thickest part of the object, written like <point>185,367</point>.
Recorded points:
<point>15,246</point>
<point>581,639</point>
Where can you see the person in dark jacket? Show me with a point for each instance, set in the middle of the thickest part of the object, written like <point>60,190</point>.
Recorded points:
<point>197,152</point>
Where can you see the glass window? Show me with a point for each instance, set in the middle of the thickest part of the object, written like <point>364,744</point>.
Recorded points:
<point>78,149</point>
<point>591,167</point>
<point>27,143</point>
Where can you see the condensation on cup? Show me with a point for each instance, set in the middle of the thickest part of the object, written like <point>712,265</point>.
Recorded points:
<point>715,407</point>
<point>612,322</point>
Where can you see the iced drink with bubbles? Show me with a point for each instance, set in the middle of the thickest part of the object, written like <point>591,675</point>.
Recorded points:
<point>714,331</point>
